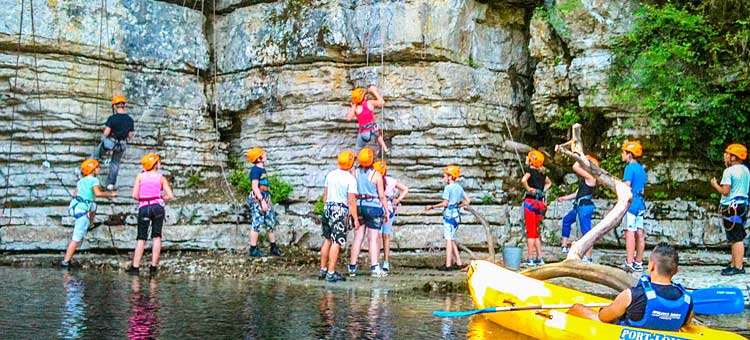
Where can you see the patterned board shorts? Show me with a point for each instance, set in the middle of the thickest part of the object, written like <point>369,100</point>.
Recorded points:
<point>336,222</point>
<point>268,219</point>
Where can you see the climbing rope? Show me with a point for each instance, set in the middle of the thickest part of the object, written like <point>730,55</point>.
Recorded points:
<point>46,163</point>
<point>510,135</point>
<point>12,121</point>
<point>216,112</point>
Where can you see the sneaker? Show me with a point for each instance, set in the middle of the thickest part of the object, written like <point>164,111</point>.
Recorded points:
<point>628,267</point>
<point>539,261</point>
<point>276,251</point>
<point>378,272</point>
<point>322,274</point>
<point>732,271</point>
<point>133,270</point>
<point>529,263</point>
<point>255,252</point>
<point>445,268</point>
<point>386,266</point>
<point>587,259</point>
<point>64,264</point>
<point>638,267</point>
<point>110,187</point>
<point>152,270</point>
<point>335,277</point>
<point>459,266</point>
<point>564,250</point>
<point>352,270</point>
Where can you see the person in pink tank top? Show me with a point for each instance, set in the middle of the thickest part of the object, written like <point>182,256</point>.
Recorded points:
<point>148,188</point>
<point>364,111</point>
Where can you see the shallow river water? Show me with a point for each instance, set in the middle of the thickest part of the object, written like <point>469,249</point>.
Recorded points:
<point>38,303</point>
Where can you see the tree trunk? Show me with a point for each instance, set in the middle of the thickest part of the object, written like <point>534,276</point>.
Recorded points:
<point>614,278</point>
<point>487,230</point>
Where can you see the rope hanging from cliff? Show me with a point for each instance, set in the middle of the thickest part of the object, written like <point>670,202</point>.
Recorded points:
<point>228,192</point>
<point>12,121</point>
<point>510,135</point>
<point>39,102</point>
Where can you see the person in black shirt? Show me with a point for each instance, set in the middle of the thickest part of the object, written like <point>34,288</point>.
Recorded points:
<point>654,303</point>
<point>118,129</point>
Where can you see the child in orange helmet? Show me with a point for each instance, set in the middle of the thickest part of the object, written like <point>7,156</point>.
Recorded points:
<point>118,129</point>
<point>534,207</point>
<point>635,177</point>
<point>454,197</point>
<point>82,206</point>
<point>147,189</point>
<point>734,203</point>
<point>263,211</point>
<point>391,184</point>
<point>364,111</point>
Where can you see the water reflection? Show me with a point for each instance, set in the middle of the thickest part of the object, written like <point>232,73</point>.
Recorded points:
<point>74,309</point>
<point>143,321</point>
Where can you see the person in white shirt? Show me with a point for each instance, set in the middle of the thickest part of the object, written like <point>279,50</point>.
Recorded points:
<point>339,215</point>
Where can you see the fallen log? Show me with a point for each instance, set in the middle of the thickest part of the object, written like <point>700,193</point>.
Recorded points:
<point>573,266</point>
<point>614,278</point>
<point>487,230</point>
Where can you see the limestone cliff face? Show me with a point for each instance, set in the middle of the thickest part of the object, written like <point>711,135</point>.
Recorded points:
<point>205,83</point>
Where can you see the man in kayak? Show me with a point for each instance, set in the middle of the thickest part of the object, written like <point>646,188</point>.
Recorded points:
<point>654,303</point>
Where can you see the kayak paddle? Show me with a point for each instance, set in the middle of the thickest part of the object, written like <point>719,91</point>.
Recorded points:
<point>449,314</point>
<point>718,300</point>
<point>713,300</point>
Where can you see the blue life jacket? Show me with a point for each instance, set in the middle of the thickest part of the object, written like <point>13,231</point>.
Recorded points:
<point>661,314</point>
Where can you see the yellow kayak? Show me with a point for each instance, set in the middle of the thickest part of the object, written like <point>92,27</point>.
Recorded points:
<point>494,286</point>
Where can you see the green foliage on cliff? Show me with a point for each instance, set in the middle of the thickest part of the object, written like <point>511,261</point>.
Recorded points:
<point>685,65</point>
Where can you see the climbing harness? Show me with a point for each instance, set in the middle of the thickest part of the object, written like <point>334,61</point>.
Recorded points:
<point>73,209</point>
<point>734,212</point>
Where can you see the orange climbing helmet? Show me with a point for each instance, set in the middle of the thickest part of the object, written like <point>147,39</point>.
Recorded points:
<point>452,170</point>
<point>633,147</point>
<point>346,160</point>
<point>380,167</point>
<point>366,157</point>
<point>88,166</point>
<point>592,159</point>
<point>149,161</point>
<point>358,95</point>
<point>118,99</point>
<point>738,150</point>
<point>536,158</point>
<point>254,154</point>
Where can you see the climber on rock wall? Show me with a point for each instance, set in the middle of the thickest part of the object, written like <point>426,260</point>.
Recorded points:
<point>118,129</point>
<point>363,110</point>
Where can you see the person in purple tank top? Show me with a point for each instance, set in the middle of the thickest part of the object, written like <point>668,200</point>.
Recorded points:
<point>148,188</point>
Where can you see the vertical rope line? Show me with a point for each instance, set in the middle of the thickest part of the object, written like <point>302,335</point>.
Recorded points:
<point>12,119</point>
<point>39,101</point>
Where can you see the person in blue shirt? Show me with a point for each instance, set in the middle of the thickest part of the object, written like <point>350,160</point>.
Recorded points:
<point>654,303</point>
<point>734,201</point>
<point>635,178</point>
<point>82,207</point>
<point>454,198</point>
<point>263,212</point>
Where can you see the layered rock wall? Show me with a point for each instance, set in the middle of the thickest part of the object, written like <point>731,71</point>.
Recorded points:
<point>458,77</point>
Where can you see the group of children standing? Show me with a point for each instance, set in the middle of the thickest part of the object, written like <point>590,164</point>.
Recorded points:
<point>150,189</point>
<point>364,199</point>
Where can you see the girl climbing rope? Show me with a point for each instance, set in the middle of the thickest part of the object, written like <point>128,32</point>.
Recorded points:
<point>364,111</point>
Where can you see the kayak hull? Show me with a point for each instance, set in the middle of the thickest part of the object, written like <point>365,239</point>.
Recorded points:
<point>494,286</point>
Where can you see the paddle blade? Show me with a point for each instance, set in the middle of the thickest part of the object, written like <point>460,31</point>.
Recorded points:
<point>458,314</point>
<point>718,300</point>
